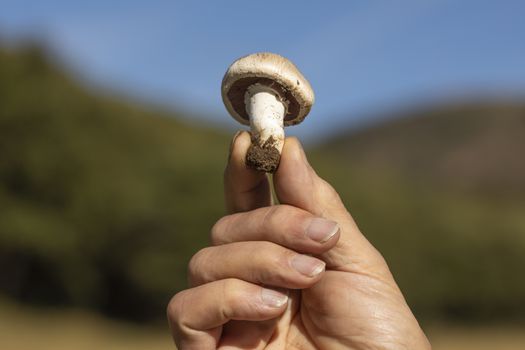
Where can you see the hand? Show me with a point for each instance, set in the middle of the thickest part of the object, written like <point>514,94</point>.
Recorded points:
<point>299,275</point>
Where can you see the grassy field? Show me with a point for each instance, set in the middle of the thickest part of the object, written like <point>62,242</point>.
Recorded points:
<point>478,338</point>
<point>24,328</point>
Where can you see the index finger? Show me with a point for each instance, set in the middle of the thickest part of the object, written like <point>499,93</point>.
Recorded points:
<point>244,189</point>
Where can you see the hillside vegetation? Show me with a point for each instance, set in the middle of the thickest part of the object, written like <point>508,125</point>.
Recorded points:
<point>472,148</point>
<point>441,193</point>
<point>103,201</point>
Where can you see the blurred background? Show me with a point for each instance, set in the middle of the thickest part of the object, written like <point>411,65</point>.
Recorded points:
<point>113,139</point>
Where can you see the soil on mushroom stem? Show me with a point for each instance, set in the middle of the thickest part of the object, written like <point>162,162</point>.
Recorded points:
<point>263,158</point>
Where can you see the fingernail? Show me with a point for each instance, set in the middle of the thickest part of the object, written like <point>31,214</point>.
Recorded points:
<point>273,298</point>
<point>233,143</point>
<point>307,265</point>
<point>321,230</point>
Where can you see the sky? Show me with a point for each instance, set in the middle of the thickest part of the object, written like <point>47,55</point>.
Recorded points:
<point>364,58</point>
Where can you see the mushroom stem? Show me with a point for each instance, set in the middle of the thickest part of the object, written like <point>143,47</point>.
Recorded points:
<point>266,112</point>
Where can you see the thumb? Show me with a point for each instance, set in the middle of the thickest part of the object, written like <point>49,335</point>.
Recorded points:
<point>296,183</point>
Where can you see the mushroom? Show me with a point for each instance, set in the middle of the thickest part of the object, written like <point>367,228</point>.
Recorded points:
<point>267,92</point>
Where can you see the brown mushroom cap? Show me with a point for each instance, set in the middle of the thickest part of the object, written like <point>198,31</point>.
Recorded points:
<point>274,71</point>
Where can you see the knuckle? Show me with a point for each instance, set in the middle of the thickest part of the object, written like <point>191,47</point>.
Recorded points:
<point>282,260</point>
<point>284,218</point>
<point>328,193</point>
<point>232,294</point>
<point>195,266</point>
<point>271,263</point>
<point>175,308</point>
<point>273,256</point>
<point>269,218</point>
<point>230,289</point>
<point>217,235</point>
<point>239,298</point>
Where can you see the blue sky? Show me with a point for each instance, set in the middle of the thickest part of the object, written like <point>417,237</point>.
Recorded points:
<point>363,58</point>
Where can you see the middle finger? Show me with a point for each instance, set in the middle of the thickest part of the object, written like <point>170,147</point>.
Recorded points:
<point>257,262</point>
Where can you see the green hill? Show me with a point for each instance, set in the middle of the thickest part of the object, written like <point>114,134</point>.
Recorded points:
<point>103,201</point>
<point>474,148</point>
<point>440,192</point>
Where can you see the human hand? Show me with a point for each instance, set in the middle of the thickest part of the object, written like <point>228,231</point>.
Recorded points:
<point>299,275</point>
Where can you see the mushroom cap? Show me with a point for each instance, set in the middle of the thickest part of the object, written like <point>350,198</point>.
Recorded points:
<point>271,70</point>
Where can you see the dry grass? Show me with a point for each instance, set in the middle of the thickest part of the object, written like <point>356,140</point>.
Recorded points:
<point>479,338</point>
<point>24,328</point>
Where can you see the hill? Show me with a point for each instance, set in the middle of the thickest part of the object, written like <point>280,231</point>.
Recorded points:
<point>98,195</point>
<point>440,192</point>
<point>104,200</point>
<point>468,147</point>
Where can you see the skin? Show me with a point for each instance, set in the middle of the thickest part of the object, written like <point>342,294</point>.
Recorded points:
<point>352,302</point>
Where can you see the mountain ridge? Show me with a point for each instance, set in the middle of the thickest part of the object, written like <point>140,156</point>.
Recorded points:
<point>475,146</point>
